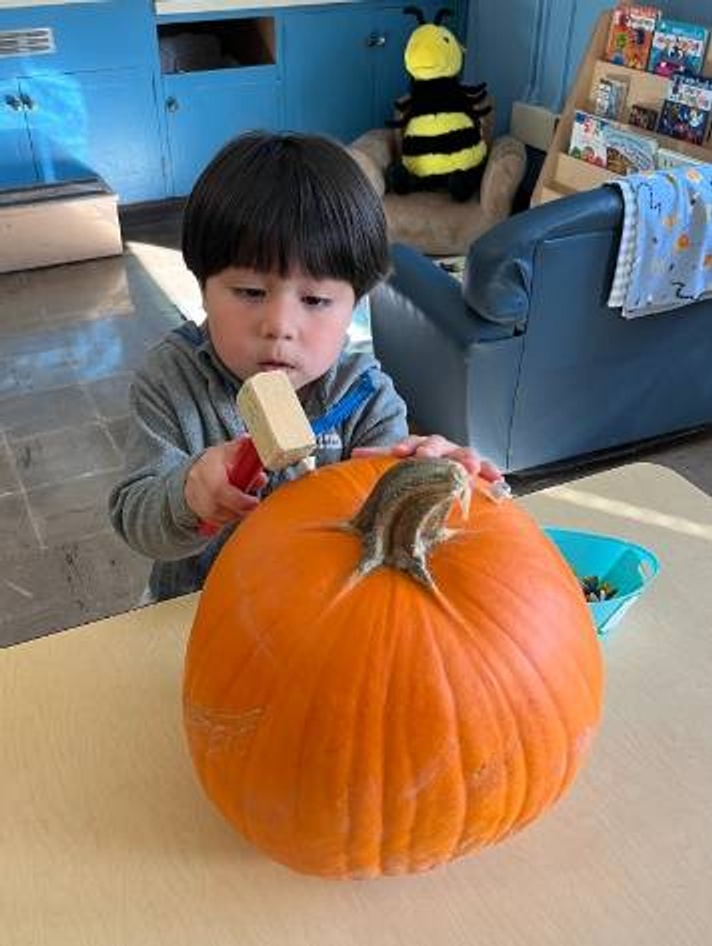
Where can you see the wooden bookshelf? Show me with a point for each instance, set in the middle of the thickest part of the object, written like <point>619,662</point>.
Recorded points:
<point>562,174</point>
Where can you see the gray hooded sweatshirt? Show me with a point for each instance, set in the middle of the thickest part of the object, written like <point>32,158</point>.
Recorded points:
<point>183,401</point>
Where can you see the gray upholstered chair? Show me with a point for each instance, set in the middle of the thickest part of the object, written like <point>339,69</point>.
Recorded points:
<point>524,360</point>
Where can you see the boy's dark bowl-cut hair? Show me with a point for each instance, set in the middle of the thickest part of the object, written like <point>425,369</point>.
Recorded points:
<point>274,202</point>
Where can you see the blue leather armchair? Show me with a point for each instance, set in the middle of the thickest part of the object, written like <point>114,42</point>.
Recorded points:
<point>524,360</point>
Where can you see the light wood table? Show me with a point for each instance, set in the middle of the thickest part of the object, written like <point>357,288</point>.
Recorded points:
<point>106,839</point>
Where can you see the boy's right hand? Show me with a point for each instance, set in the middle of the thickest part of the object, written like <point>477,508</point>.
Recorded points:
<point>209,493</point>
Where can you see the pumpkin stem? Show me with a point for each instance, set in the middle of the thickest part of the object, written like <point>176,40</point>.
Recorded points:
<point>402,517</point>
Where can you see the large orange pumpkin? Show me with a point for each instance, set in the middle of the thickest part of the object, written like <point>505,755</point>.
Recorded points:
<point>356,720</point>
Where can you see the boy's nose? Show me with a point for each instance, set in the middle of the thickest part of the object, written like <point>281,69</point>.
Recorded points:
<point>278,319</point>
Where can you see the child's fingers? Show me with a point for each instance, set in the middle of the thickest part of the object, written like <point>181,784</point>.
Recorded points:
<point>372,452</point>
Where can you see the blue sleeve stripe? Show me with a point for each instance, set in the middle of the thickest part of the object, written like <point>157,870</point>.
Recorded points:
<point>344,407</point>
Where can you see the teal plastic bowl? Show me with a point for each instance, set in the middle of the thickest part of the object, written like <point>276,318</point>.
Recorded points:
<point>628,567</point>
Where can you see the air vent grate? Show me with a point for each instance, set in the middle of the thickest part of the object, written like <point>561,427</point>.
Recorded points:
<point>34,42</point>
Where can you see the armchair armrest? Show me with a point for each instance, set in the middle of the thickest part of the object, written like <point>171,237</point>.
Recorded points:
<point>503,174</point>
<point>373,152</point>
<point>429,293</point>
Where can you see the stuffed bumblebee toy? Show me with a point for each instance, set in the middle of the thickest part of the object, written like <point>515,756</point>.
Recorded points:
<point>442,145</point>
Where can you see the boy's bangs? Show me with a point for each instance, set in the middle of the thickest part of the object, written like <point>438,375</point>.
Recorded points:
<point>287,233</point>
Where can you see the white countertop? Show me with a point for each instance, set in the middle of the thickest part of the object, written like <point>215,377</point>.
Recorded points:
<point>163,7</point>
<point>13,5</point>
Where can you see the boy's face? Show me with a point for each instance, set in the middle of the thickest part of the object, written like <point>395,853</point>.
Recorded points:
<point>261,321</point>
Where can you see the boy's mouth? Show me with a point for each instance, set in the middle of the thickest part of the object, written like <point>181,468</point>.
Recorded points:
<point>275,366</point>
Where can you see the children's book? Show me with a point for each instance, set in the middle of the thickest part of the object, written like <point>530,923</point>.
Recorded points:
<point>675,159</point>
<point>587,138</point>
<point>609,97</point>
<point>683,122</point>
<point>678,47</point>
<point>631,34</point>
<point>695,91</point>
<point>643,116</point>
<point>627,152</point>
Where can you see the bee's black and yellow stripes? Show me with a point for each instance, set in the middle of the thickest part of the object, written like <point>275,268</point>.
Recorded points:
<point>441,135</point>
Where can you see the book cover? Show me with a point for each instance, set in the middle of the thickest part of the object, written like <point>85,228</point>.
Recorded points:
<point>627,152</point>
<point>630,35</point>
<point>643,116</point>
<point>683,122</point>
<point>587,138</point>
<point>667,158</point>
<point>609,97</point>
<point>695,91</point>
<point>678,47</point>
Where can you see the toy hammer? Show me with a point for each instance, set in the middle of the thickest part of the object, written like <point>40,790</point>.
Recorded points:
<point>279,432</point>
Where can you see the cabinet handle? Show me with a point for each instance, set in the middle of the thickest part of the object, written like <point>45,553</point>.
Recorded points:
<point>172,104</point>
<point>13,102</point>
<point>28,103</point>
<point>376,39</point>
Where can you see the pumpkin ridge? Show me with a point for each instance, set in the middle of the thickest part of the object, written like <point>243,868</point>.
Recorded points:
<point>495,577</point>
<point>554,711</point>
<point>389,677</point>
<point>499,692</point>
<point>351,841</point>
<point>455,715</point>
<point>310,710</point>
<point>564,723</point>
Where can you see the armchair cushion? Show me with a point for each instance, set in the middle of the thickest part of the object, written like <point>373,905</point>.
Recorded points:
<point>431,220</point>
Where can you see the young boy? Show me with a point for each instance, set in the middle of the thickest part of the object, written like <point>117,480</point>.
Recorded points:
<point>284,235</point>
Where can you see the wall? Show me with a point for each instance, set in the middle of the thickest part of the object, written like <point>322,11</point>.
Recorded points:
<point>530,49</point>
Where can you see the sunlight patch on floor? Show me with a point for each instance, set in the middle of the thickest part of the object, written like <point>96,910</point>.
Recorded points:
<point>167,269</point>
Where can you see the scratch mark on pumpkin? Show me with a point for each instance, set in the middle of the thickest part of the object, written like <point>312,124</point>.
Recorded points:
<point>221,730</point>
<point>425,777</point>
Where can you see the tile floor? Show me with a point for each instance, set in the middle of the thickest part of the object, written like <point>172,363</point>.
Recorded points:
<point>70,337</point>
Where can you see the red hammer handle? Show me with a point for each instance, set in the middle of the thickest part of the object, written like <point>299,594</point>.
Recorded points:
<point>246,466</point>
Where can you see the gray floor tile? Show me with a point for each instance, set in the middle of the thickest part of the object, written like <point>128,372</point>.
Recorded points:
<point>16,528</point>
<point>60,455</point>
<point>75,509</point>
<point>110,395</point>
<point>117,428</point>
<point>59,294</point>
<point>25,414</point>
<point>9,482</point>
<point>66,586</point>
<point>35,371</point>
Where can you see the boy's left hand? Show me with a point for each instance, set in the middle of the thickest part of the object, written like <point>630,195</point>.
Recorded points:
<point>436,446</point>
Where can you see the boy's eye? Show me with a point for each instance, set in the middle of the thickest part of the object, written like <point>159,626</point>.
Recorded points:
<point>316,302</point>
<point>248,292</point>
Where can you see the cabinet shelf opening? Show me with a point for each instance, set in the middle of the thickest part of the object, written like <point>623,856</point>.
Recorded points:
<point>206,45</point>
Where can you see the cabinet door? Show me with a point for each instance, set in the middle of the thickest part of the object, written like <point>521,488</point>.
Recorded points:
<point>392,29</point>
<point>17,167</point>
<point>205,110</point>
<point>104,123</point>
<point>328,71</point>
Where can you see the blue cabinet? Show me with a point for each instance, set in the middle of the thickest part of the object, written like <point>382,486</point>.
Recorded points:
<point>17,166</point>
<point>219,76</point>
<point>327,70</point>
<point>77,96</point>
<point>343,66</point>
<point>205,109</point>
<point>96,123</point>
